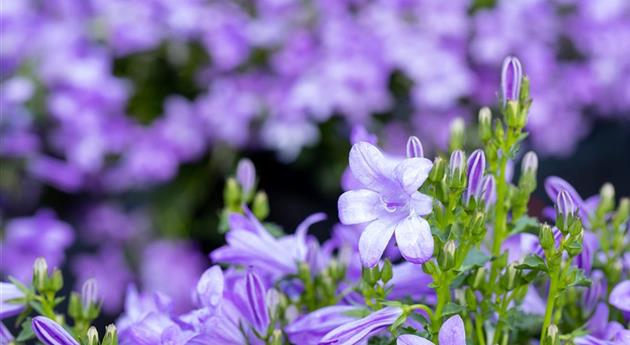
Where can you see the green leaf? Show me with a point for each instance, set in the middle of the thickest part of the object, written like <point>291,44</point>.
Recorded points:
<point>451,309</point>
<point>533,262</point>
<point>27,332</point>
<point>475,258</point>
<point>518,320</point>
<point>577,278</point>
<point>525,224</point>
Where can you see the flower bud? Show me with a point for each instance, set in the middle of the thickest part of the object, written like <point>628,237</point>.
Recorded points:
<point>457,169</point>
<point>476,168</point>
<point>551,338</point>
<point>276,337</point>
<point>260,207</point>
<point>246,175</point>
<point>446,258</point>
<point>92,336</point>
<point>508,280</point>
<point>529,168</point>
<point>546,238</point>
<point>511,77</point>
<point>429,267</point>
<point>231,194</point>
<point>574,245</point>
<point>387,271</point>
<point>40,274</point>
<point>89,293</point>
<point>414,147</point>
<point>489,191</point>
<point>607,199</point>
<point>485,124</point>
<point>480,278</point>
<point>111,336</point>
<point>457,134</point>
<point>371,275</point>
<point>565,207</point>
<point>623,212</point>
<point>478,224</point>
<point>438,170</point>
<point>49,332</point>
<point>57,280</point>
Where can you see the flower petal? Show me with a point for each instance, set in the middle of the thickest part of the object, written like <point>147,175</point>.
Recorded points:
<point>452,332</point>
<point>421,204</point>
<point>368,165</point>
<point>414,239</point>
<point>412,172</point>
<point>210,287</point>
<point>359,206</point>
<point>410,339</point>
<point>620,296</point>
<point>374,239</point>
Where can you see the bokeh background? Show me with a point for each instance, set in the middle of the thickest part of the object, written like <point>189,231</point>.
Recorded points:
<point>121,119</point>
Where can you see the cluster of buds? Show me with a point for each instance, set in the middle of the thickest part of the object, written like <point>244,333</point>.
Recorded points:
<point>43,282</point>
<point>241,190</point>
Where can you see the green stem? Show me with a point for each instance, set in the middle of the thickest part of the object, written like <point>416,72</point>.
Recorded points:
<point>443,297</point>
<point>551,300</point>
<point>501,321</point>
<point>479,330</point>
<point>500,221</point>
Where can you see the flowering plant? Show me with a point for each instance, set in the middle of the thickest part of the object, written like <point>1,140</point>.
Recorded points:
<point>438,251</point>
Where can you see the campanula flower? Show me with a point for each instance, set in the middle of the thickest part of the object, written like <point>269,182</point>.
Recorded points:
<point>51,333</point>
<point>355,331</point>
<point>9,292</point>
<point>388,202</point>
<point>5,336</point>
<point>620,296</point>
<point>310,328</point>
<point>452,332</point>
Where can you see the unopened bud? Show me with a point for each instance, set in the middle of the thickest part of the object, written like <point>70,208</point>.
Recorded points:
<point>607,199</point>
<point>260,207</point>
<point>485,124</point>
<point>446,258</point>
<point>476,169</point>
<point>623,212</point>
<point>414,147</point>
<point>387,271</point>
<point>40,274</point>
<point>89,293</point>
<point>246,175</point>
<point>429,267</point>
<point>92,336</point>
<point>57,280</point>
<point>546,238</point>
<point>574,246</point>
<point>232,194</point>
<point>276,337</point>
<point>438,170</point>
<point>565,207</point>
<point>551,337</point>
<point>478,224</point>
<point>471,299</point>
<point>508,280</point>
<point>480,278</point>
<point>489,191</point>
<point>111,336</point>
<point>457,134</point>
<point>371,275</point>
<point>511,77</point>
<point>457,169</point>
<point>529,168</point>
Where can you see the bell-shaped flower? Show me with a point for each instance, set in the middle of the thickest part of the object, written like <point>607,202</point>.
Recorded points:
<point>388,203</point>
<point>51,333</point>
<point>452,332</point>
<point>355,331</point>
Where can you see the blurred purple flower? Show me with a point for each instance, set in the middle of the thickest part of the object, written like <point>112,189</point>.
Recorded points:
<point>9,308</point>
<point>355,331</point>
<point>620,296</point>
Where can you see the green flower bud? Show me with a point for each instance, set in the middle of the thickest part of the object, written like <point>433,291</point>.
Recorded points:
<point>480,278</point>
<point>509,278</point>
<point>545,236</point>
<point>260,207</point>
<point>485,124</point>
<point>499,131</point>
<point>623,212</point>
<point>551,338</point>
<point>512,114</point>
<point>386,271</point>
<point>529,168</point>
<point>607,199</point>
<point>92,336</point>
<point>232,194</point>
<point>57,280</point>
<point>457,138</point>
<point>438,170</point>
<point>40,274</point>
<point>477,224</point>
<point>111,336</point>
<point>75,309</point>
<point>429,267</point>
<point>276,337</point>
<point>371,275</point>
<point>446,258</point>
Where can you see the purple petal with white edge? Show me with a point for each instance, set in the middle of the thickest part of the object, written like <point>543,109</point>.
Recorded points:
<point>51,333</point>
<point>421,204</point>
<point>414,239</point>
<point>370,167</point>
<point>8,292</point>
<point>412,172</point>
<point>359,206</point>
<point>209,292</point>
<point>488,190</point>
<point>256,301</point>
<point>410,339</point>
<point>452,332</point>
<point>620,296</point>
<point>354,332</point>
<point>374,239</point>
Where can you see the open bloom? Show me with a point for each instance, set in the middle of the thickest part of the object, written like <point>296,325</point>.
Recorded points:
<point>388,203</point>
<point>9,292</point>
<point>452,332</point>
<point>620,296</point>
<point>355,331</point>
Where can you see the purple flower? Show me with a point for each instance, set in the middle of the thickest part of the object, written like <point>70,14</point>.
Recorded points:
<point>456,164</point>
<point>489,191</point>
<point>246,175</point>
<point>257,307</point>
<point>452,332</point>
<point>310,328</point>
<point>26,239</point>
<point>476,169</point>
<point>355,331</point>
<point>511,75</point>
<point>620,296</point>
<point>51,333</point>
<point>209,291</point>
<point>5,336</point>
<point>388,202</point>
<point>250,244</point>
<point>9,292</point>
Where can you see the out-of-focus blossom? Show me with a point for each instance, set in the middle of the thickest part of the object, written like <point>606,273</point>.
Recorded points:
<point>9,308</point>
<point>452,332</point>
<point>620,296</point>
<point>355,331</point>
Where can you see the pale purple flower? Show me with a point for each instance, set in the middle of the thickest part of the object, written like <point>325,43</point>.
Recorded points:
<point>310,328</point>
<point>452,332</point>
<point>209,290</point>
<point>389,202</point>
<point>554,185</point>
<point>511,75</point>
<point>28,238</point>
<point>355,331</point>
<point>592,295</point>
<point>51,333</point>
<point>9,292</point>
<point>250,244</point>
<point>5,336</point>
<point>620,296</point>
<point>246,175</point>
